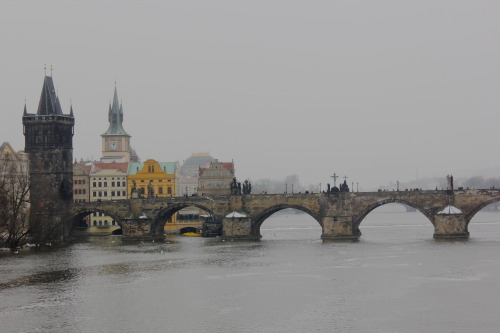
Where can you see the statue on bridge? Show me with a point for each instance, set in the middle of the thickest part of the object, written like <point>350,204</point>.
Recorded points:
<point>237,188</point>
<point>334,189</point>
<point>449,179</point>
<point>133,191</point>
<point>344,187</point>
<point>151,191</point>
<point>247,187</point>
<point>234,187</point>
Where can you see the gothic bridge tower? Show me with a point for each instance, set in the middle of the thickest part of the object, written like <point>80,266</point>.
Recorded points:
<point>49,145</point>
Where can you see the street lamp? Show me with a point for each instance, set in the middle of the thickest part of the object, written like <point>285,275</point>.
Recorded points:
<point>286,188</point>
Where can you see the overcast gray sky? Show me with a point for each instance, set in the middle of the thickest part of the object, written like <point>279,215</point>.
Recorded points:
<point>374,90</point>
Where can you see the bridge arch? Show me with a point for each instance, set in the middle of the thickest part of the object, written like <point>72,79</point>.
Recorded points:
<point>477,208</point>
<point>78,215</point>
<point>261,217</point>
<point>358,219</point>
<point>170,210</point>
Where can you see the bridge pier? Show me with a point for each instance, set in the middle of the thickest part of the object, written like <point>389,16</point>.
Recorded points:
<point>450,226</point>
<point>238,228</point>
<point>137,228</point>
<point>339,228</point>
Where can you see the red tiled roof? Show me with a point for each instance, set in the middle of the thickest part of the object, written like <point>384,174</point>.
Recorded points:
<point>226,165</point>
<point>229,166</point>
<point>86,168</point>
<point>122,167</point>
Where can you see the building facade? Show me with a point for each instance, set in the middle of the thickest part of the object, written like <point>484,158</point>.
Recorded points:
<point>153,179</point>
<point>81,181</point>
<point>10,159</point>
<point>189,173</point>
<point>108,181</point>
<point>216,178</point>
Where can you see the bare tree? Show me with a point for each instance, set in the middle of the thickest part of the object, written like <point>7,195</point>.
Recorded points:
<point>14,201</point>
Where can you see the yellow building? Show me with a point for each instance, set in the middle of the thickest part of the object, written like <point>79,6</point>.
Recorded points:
<point>153,179</point>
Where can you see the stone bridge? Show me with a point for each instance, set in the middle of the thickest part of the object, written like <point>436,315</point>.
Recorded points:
<point>339,214</point>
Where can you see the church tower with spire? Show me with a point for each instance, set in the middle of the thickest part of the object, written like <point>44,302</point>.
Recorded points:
<point>49,144</point>
<point>115,141</point>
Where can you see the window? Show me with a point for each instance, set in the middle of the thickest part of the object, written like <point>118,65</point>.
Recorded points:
<point>169,190</point>
<point>95,223</point>
<point>105,184</point>
<point>123,193</point>
<point>100,193</point>
<point>112,193</point>
<point>112,184</point>
<point>94,184</point>
<point>100,184</point>
<point>124,184</point>
<point>160,190</point>
<point>94,194</point>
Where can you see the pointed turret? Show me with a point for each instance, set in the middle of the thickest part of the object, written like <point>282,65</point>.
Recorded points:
<point>115,118</point>
<point>49,103</point>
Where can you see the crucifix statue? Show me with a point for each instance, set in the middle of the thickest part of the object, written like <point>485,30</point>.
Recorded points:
<point>334,179</point>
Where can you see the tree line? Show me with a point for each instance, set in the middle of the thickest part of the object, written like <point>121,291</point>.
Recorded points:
<point>14,201</point>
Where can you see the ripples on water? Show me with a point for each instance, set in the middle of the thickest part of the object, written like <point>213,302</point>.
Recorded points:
<point>396,278</point>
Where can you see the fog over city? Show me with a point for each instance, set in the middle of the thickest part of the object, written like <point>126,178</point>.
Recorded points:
<point>378,91</point>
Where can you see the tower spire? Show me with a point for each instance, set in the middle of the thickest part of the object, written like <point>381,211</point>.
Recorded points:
<point>115,116</point>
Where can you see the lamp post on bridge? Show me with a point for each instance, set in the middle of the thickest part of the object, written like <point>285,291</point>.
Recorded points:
<point>397,184</point>
<point>319,187</point>
<point>286,188</point>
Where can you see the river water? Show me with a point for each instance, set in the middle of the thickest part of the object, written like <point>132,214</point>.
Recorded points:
<point>396,278</point>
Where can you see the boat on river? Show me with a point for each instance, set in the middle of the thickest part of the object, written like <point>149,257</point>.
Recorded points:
<point>191,234</point>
